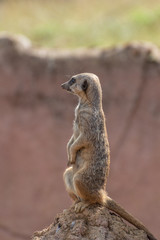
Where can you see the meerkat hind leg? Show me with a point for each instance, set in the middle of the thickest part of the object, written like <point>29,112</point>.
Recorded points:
<point>87,196</point>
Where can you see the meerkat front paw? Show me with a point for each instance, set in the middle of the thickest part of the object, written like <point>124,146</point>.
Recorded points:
<point>72,158</point>
<point>70,161</point>
<point>80,206</point>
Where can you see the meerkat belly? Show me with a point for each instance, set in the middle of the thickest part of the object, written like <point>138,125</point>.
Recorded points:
<point>82,157</point>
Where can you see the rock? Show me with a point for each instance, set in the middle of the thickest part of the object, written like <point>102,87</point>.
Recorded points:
<point>95,222</point>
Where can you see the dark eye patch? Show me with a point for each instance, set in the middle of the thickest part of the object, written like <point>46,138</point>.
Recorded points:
<point>72,81</point>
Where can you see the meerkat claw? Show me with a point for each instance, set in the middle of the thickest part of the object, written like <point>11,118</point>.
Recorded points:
<point>80,206</point>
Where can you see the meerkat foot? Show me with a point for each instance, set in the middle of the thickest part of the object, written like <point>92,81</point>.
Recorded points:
<point>80,206</point>
<point>77,200</point>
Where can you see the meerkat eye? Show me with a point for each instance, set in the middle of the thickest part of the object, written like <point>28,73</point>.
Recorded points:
<point>85,85</point>
<point>72,81</point>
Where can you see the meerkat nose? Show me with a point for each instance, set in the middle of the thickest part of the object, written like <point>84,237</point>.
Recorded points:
<point>63,86</point>
<point>66,87</point>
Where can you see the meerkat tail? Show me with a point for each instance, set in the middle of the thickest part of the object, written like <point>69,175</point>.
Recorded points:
<point>115,207</point>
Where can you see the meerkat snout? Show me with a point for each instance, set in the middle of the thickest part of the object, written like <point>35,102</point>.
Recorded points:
<point>67,85</point>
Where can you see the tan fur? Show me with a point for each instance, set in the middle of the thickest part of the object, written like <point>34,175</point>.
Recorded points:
<point>88,149</point>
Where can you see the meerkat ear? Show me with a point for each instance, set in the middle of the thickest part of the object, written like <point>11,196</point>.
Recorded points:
<point>84,85</point>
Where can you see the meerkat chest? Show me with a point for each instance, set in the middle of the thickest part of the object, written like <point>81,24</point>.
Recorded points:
<point>76,124</point>
<point>76,129</point>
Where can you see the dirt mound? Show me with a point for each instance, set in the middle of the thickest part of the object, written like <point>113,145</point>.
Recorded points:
<point>95,222</point>
<point>36,122</point>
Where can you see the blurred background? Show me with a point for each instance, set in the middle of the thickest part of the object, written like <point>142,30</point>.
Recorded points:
<point>44,43</point>
<point>80,23</point>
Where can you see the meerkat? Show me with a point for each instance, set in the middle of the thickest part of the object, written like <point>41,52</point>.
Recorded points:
<point>88,150</point>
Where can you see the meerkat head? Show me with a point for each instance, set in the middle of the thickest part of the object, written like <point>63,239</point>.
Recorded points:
<point>86,86</point>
